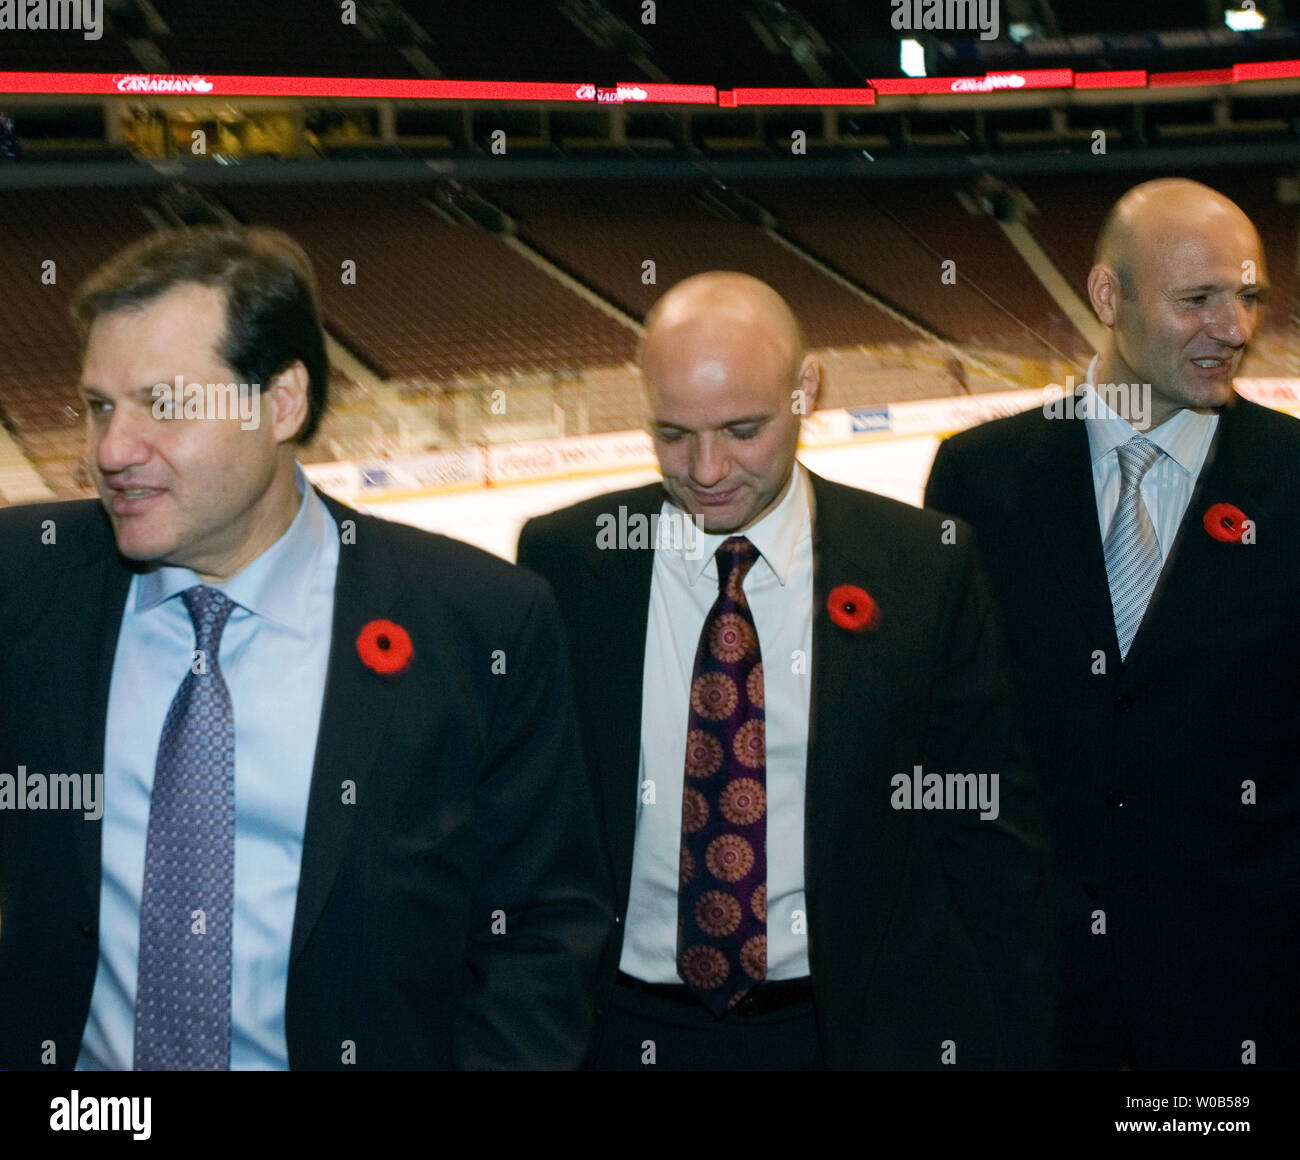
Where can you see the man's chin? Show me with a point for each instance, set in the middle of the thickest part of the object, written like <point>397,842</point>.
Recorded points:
<point>1209,396</point>
<point>139,553</point>
<point>726,521</point>
<point>715,519</point>
<point>144,549</point>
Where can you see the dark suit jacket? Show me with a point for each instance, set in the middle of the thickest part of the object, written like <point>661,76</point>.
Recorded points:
<point>1142,767</point>
<point>922,925</point>
<point>470,798</point>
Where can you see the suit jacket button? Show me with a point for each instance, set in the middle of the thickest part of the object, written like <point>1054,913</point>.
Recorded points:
<point>1090,889</point>
<point>86,928</point>
<point>1123,703</point>
<point>1115,798</point>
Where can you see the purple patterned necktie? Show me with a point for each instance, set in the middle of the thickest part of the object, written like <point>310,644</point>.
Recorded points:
<point>182,1000</point>
<point>722,890</point>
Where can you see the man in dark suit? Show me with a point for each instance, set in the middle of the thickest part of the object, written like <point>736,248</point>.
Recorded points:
<point>326,805</point>
<point>1142,539</point>
<point>765,682</point>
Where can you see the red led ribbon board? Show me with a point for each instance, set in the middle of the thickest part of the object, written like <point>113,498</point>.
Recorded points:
<point>994,82</point>
<point>622,93</point>
<point>209,85</point>
<point>797,97</point>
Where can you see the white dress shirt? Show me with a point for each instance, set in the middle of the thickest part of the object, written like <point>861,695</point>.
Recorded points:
<point>1167,487</point>
<point>779,588</point>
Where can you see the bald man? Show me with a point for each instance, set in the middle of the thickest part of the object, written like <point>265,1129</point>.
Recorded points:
<point>767,675</point>
<point>1143,545</point>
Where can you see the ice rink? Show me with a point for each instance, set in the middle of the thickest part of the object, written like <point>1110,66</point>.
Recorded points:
<point>492,516</point>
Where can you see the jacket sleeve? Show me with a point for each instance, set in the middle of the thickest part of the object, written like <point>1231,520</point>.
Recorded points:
<point>992,858</point>
<point>943,490</point>
<point>544,893</point>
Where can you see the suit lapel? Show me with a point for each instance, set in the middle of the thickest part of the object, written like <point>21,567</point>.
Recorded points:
<point>355,713</point>
<point>1197,571</point>
<point>1062,507</point>
<point>849,700</point>
<point>616,650</point>
<point>81,711</point>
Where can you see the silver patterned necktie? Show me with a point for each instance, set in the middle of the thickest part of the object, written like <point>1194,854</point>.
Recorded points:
<point>1133,558</point>
<point>182,1001</point>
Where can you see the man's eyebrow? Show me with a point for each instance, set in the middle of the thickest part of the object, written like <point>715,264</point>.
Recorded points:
<point>739,422</point>
<point>1211,287</point>
<point>143,394</point>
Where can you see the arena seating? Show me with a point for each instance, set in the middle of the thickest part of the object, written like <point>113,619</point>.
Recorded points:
<point>605,233</point>
<point>432,300</point>
<point>39,350</point>
<point>260,39</point>
<point>892,238</point>
<point>64,51</point>
<point>505,40</point>
<point>716,46</point>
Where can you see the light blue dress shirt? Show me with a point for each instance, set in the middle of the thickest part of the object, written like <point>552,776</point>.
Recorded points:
<point>1167,488</point>
<point>274,656</point>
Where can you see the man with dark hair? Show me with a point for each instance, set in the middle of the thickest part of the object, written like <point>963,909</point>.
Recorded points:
<point>1143,545</point>
<point>269,289</point>
<point>315,825</point>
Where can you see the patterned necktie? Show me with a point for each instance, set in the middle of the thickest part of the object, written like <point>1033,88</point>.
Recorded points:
<point>182,1000</point>
<point>722,886</point>
<point>1132,551</point>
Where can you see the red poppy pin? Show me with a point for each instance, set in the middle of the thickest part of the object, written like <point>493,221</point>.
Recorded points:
<point>1225,522</point>
<point>852,609</point>
<point>385,647</point>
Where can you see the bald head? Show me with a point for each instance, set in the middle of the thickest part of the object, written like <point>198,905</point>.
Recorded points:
<point>723,302</point>
<point>1177,283</point>
<point>727,381</point>
<point>1157,214</point>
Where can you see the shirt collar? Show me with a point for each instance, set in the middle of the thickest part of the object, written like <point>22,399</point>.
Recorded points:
<point>1180,437</point>
<point>777,535</point>
<point>276,585</point>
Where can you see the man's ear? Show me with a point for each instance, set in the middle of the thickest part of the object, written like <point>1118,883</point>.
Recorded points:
<point>1104,292</point>
<point>810,383</point>
<point>286,395</point>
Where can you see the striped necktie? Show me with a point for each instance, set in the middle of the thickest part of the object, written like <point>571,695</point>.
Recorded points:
<point>1133,558</point>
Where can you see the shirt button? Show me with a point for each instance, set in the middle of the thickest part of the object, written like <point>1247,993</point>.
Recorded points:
<point>1123,703</point>
<point>1115,798</point>
<point>86,928</point>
